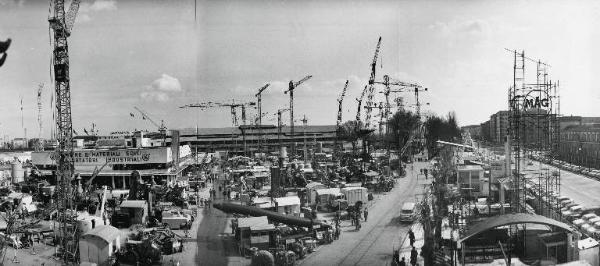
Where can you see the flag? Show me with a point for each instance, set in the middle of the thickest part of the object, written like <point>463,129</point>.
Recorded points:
<point>75,132</point>
<point>84,130</point>
<point>131,114</point>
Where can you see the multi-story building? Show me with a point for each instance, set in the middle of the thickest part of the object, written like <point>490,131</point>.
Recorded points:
<point>580,145</point>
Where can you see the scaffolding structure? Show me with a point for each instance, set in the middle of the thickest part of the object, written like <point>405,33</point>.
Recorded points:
<point>533,130</point>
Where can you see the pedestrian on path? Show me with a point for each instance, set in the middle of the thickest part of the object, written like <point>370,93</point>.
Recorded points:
<point>366,213</point>
<point>411,237</point>
<point>413,256</point>
<point>402,262</point>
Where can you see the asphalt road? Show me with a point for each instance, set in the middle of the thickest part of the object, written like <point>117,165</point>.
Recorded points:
<point>374,243</point>
<point>582,189</point>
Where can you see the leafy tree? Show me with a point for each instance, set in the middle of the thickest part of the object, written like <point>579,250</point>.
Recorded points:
<point>441,128</point>
<point>349,131</point>
<point>400,126</point>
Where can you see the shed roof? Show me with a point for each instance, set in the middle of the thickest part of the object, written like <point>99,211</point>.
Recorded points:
<point>466,167</point>
<point>106,232</point>
<point>328,191</point>
<point>287,201</point>
<point>513,218</point>
<point>314,184</point>
<point>255,223</point>
<point>133,204</point>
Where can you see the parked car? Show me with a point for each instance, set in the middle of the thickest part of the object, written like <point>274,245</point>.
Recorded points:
<point>588,216</point>
<point>593,230</point>
<point>578,222</point>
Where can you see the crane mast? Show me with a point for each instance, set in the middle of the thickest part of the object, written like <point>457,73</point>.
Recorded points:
<point>291,87</point>
<point>61,25</point>
<point>372,85</point>
<point>259,101</point>
<point>359,100</point>
<point>339,120</point>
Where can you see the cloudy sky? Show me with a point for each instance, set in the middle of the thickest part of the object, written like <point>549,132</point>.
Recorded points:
<point>159,55</point>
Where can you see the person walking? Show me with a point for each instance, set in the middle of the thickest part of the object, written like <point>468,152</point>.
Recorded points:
<point>411,237</point>
<point>402,262</point>
<point>413,256</point>
<point>366,213</point>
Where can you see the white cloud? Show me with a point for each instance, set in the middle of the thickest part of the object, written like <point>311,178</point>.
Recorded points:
<point>166,83</point>
<point>161,89</point>
<point>10,3</point>
<point>102,5</point>
<point>465,26</point>
<point>155,96</point>
<point>83,18</point>
<point>86,9</point>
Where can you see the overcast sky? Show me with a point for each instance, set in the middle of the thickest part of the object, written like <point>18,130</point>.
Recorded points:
<point>157,56</point>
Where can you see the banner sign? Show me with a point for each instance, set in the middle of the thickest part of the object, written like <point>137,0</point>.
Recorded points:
<point>99,157</point>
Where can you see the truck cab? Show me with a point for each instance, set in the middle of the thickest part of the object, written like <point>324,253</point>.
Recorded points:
<point>174,219</point>
<point>408,212</point>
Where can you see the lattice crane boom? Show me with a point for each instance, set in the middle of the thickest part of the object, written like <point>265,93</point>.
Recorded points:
<point>161,128</point>
<point>371,85</point>
<point>61,25</point>
<point>292,86</point>
<point>339,120</point>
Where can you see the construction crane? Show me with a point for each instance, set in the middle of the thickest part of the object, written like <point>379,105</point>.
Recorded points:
<point>372,85</point>
<point>233,106</point>
<point>339,121</point>
<point>359,100</point>
<point>162,129</point>
<point>279,125</point>
<point>291,87</point>
<point>380,108</point>
<point>259,101</point>
<point>38,145</point>
<point>62,25</point>
<point>387,82</point>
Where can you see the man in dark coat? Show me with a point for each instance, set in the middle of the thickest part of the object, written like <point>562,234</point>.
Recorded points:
<point>413,256</point>
<point>411,237</point>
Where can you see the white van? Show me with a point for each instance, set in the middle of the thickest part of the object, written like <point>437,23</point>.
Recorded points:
<point>407,213</point>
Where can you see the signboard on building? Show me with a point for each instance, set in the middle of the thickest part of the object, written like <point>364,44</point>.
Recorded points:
<point>534,99</point>
<point>99,157</point>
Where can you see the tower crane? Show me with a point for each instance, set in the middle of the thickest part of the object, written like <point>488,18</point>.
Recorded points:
<point>372,85</point>
<point>291,87</point>
<point>233,106</point>
<point>339,120</point>
<point>387,82</point>
<point>380,108</point>
<point>259,101</point>
<point>161,128</point>
<point>359,100</point>
<point>62,25</point>
<point>279,125</point>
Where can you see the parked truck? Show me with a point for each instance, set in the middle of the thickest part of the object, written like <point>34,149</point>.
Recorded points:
<point>355,195</point>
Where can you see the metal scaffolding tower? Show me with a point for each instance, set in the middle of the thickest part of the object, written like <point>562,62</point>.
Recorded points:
<point>533,130</point>
<point>61,25</point>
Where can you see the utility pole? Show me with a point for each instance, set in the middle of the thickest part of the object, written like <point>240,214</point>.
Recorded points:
<point>292,86</point>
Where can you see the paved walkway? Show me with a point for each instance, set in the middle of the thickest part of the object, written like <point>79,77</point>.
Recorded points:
<point>380,235</point>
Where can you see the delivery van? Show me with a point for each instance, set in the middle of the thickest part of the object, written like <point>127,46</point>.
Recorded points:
<point>407,213</point>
